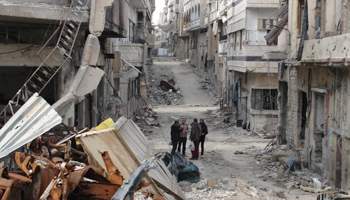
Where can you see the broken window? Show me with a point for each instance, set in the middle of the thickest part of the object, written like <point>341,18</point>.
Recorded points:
<point>318,19</point>
<point>264,99</point>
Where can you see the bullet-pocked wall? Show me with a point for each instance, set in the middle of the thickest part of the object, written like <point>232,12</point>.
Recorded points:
<point>257,101</point>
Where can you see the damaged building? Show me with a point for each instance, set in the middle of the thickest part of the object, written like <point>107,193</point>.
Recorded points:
<point>225,40</point>
<point>252,64</point>
<point>314,88</point>
<point>42,49</point>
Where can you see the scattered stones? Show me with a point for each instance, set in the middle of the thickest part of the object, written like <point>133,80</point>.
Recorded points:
<point>227,189</point>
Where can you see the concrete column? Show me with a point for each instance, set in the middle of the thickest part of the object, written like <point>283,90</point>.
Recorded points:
<point>292,130</point>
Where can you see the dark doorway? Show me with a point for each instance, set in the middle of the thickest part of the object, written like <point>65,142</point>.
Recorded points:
<point>283,90</point>
<point>338,163</point>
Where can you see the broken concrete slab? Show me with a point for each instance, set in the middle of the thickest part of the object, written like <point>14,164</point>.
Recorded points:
<point>91,51</point>
<point>64,104</point>
<point>86,80</point>
<point>98,16</point>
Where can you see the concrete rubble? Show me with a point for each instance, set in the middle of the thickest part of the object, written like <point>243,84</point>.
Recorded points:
<point>284,166</point>
<point>227,188</point>
<point>57,166</point>
<point>156,95</point>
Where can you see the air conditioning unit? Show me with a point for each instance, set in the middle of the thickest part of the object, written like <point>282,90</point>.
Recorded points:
<point>266,24</point>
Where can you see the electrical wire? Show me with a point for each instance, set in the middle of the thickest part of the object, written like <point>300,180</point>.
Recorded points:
<point>115,91</point>
<point>25,48</point>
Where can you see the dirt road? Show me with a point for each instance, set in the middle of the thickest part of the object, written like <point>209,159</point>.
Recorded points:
<point>219,160</point>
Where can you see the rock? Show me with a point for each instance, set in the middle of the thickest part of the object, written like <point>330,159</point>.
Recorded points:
<point>276,155</point>
<point>188,189</point>
<point>217,187</point>
<point>212,182</point>
<point>280,170</point>
<point>200,186</point>
<point>230,187</point>
<point>277,194</point>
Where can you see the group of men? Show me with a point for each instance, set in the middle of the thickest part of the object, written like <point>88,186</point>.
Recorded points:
<point>197,136</point>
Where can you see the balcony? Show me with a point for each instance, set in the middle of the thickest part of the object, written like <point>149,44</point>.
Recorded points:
<point>213,16</point>
<point>142,4</point>
<point>193,25</point>
<point>263,4</point>
<point>40,12</point>
<point>223,7</point>
<point>222,50</point>
<point>255,58</point>
<point>151,39</point>
<point>133,53</point>
<point>327,50</point>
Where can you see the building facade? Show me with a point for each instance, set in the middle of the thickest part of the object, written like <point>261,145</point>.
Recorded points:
<point>32,38</point>
<point>314,87</point>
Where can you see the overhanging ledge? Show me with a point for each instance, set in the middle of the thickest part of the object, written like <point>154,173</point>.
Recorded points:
<point>22,12</point>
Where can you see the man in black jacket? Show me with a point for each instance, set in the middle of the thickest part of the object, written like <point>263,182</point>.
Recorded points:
<point>204,132</point>
<point>175,135</point>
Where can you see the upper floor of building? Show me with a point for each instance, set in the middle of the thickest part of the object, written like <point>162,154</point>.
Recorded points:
<point>320,32</point>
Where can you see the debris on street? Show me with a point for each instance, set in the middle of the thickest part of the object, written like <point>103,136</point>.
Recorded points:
<point>181,168</point>
<point>169,85</point>
<point>227,188</point>
<point>162,92</point>
<point>91,164</point>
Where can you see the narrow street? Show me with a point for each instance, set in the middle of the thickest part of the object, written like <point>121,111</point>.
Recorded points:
<point>219,160</point>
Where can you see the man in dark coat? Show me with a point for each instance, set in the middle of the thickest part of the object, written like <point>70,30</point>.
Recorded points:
<point>203,134</point>
<point>175,135</point>
<point>195,136</point>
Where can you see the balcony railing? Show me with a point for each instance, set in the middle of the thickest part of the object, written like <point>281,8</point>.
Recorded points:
<point>148,6</point>
<point>330,49</point>
<point>223,37</point>
<point>192,25</point>
<point>263,4</point>
<point>223,47</point>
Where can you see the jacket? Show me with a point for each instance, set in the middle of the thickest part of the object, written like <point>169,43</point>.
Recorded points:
<point>195,131</point>
<point>184,131</point>
<point>175,132</point>
<point>204,129</point>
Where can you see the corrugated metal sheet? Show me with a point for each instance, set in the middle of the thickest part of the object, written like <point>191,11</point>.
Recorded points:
<point>142,149</point>
<point>33,119</point>
<point>110,140</point>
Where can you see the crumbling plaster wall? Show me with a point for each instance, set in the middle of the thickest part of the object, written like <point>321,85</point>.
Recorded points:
<point>197,42</point>
<point>333,84</point>
<point>260,120</point>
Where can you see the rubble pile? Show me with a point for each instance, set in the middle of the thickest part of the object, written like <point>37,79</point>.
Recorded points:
<point>157,96</point>
<point>227,188</point>
<point>147,118</point>
<point>101,163</point>
<point>222,119</point>
<point>286,168</point>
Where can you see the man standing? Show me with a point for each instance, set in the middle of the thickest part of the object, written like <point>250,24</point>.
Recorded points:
<point>175,134</point>
<point>204,131</point>
<point>195,136</point>
<point>183,137</point>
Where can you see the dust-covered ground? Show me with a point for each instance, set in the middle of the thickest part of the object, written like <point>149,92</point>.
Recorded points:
<point>220,161</point>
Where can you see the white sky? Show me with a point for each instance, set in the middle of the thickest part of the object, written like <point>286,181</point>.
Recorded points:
<point>159,6</point>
